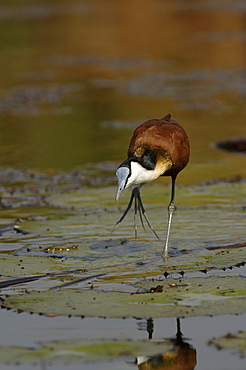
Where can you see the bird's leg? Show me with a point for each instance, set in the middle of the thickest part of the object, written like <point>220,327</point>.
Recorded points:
<point>138,207</point>
<point>126,211</point>
<point>143,213</point>
<point>141,216</point>
<point>171,209</point>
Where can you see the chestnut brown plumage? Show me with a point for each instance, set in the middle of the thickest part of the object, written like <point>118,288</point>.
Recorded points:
<point>159,147</point>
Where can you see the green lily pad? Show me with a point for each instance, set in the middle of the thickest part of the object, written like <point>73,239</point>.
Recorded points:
<point>69,247</point>
<point>198,236</point>
<point>81,350</point>
<point>231,341</point>
<point>176,298</point>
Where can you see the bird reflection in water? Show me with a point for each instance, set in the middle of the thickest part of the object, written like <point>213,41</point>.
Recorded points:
<point>159,147</point>
<point>181,357</point>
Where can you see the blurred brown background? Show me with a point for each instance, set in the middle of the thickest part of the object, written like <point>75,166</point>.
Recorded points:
<point>76,77</point>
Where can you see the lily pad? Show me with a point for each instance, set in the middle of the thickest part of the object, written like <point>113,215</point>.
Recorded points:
<point>81,350</point>
<point>231,341</point>
<point>69,252</point>
<point>178,298</point>
<point>201,228</point>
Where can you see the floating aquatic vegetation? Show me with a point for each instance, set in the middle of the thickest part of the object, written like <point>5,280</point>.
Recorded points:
<point>179,298</point>
<point>231,341</point>
<point>66,249</point>
<point>81,350</point>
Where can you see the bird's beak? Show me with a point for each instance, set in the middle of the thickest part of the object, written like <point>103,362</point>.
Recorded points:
<point>122,174</point>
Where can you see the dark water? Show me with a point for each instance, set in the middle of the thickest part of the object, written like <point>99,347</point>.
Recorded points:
<point>75,79</point>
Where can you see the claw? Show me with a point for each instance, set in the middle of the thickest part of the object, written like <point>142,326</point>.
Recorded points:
<point>138,207</point>
<point>125,212</point>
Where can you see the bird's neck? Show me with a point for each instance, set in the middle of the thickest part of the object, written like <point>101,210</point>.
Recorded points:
<point>140,174</point>
<point>163,163</point>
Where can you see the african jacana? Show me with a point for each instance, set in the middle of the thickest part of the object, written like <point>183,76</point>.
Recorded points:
<point>159,147</point>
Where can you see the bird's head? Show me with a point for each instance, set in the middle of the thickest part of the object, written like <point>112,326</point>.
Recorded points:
<point>144,166</point>
<point>124,176</point>
<point>132,172</point>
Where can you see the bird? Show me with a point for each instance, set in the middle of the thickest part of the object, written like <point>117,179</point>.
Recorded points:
<point>158,147</point>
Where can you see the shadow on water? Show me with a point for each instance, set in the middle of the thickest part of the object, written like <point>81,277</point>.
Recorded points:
<point>182,355</point>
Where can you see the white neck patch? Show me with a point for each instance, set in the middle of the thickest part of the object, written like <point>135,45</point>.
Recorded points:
<point>140,175</point>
